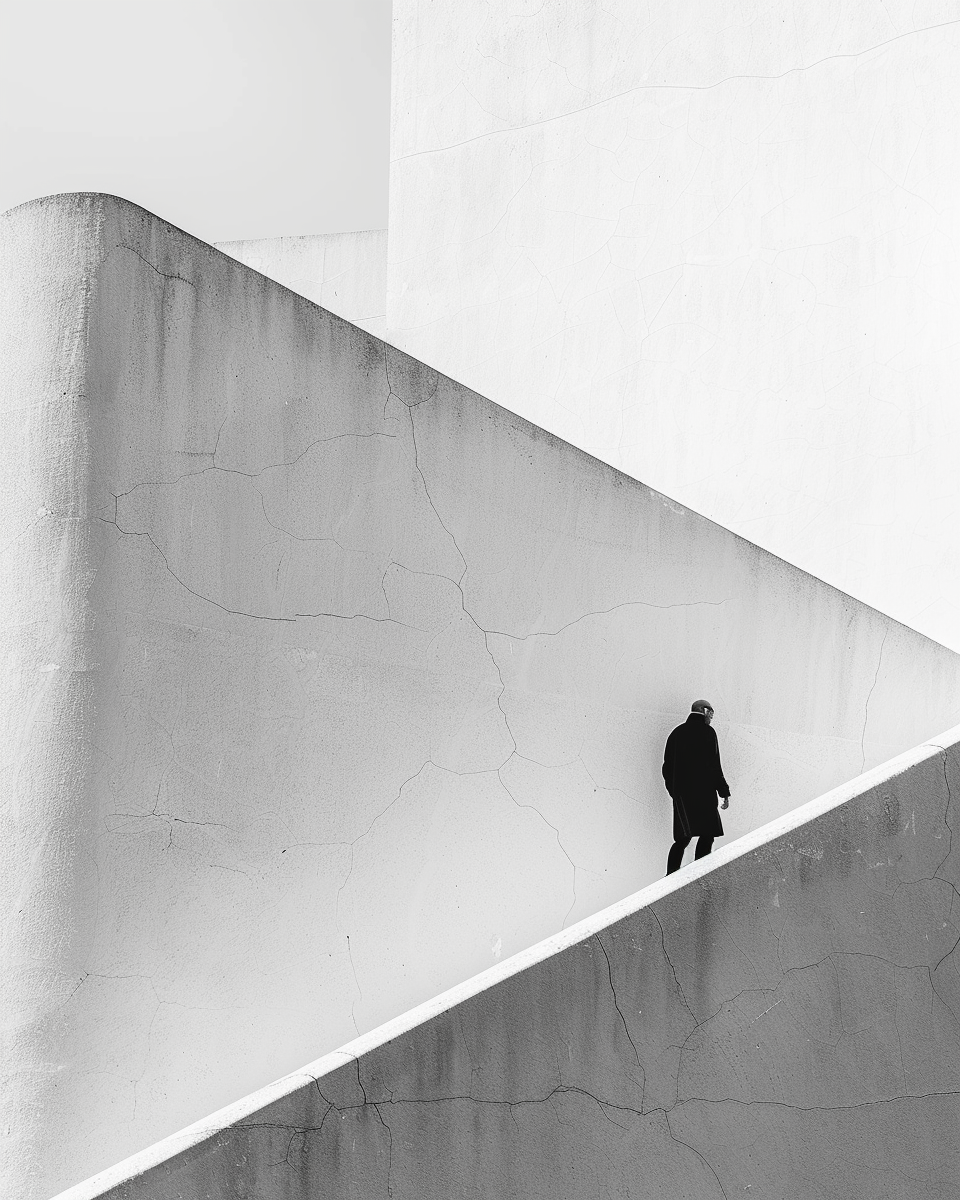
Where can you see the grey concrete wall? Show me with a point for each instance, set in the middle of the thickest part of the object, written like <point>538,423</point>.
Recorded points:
<point>782,1022</point>
<point>331,684</point>
<point>346,273</point>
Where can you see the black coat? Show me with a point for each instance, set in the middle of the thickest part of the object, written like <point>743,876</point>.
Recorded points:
<point>693,775</point>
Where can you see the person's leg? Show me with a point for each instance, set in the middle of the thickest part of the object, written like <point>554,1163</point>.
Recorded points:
<point>704,846</point>
<point>675,857</point>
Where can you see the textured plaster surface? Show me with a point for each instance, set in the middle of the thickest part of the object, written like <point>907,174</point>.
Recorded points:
<point>782,1022</point>
<point>712,245</point>
<point>330,683</point>
<point>343,272</point>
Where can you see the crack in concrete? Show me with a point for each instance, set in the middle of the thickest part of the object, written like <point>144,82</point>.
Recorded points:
<point>706,1163</point>
<point>816,1108</point>
<point>153,267</point>
<point>896,1026</point>
<point>353,1002</point>
<point>866,707</point>
<point>285,1162</point>
<point>426,491</point>
<point>831,956</point>
<point>349,874</point>
<point>474,1069</point>
<point>252,615</point>
<point>352,617</point>
<point>642,1082</point>
<point>676,978</point>
<point>673,87</point>
<point>301,538</point>
<point>146,1057</point>
<point>155,811</point>
<point>429,763</point>
<point>167,483</point>
<point>573,1089</point>
<point>948,808</point>
<point>162,817</point>
<point>560,1089</point>
<point>232,870</point>
<point>134,1083</point>
<point>395,395</point>
<point>363,1090</point>
<point>186,587</point>
<point>604,1105</point>
<point>467,613</point>
<point>603,612</point>
<point>563,849</point>
<point>376,1107</point>
<point>503,686</point>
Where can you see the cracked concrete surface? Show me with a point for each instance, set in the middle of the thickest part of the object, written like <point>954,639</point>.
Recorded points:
<point>714,248</point>
<point>333,684</point>
<point>781,1022</point>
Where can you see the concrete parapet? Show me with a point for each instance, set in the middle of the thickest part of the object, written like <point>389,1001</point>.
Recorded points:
<point>781,1021</point>
<point>330,683</point>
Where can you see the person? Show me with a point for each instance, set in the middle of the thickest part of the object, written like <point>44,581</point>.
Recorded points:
<point>693,775</point>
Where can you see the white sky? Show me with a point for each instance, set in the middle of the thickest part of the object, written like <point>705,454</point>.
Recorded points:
<point>230,118</point>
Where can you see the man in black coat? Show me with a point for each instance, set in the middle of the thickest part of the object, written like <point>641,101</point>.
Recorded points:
<point>693,775</point>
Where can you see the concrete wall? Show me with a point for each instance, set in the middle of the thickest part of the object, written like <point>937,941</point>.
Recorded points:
<point>714,248</point>
<point>330,683</point>
<point>346,273</point>
<point>780,1021</point>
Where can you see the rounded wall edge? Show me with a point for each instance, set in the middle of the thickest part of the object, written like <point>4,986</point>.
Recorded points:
<point>49,251</point>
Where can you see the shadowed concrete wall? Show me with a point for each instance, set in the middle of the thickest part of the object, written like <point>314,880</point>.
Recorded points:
<point>344,272</point>
<point>715,248</point>
<point>783,1026</point>
<point>330,683</point>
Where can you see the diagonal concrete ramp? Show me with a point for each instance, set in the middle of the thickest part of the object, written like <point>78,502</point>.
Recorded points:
<point>780,1020</point>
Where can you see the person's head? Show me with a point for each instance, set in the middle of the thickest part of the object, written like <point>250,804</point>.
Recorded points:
<point>705,708</point>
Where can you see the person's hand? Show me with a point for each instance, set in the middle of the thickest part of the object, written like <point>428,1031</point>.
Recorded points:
<point>726,802</point>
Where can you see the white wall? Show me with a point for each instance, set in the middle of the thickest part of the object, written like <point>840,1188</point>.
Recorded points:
<point>715,246</point>
<point>330,683</point>
<point>343,272</point>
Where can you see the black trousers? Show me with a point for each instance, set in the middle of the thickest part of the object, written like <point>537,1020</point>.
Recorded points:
<point>675,857</point>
